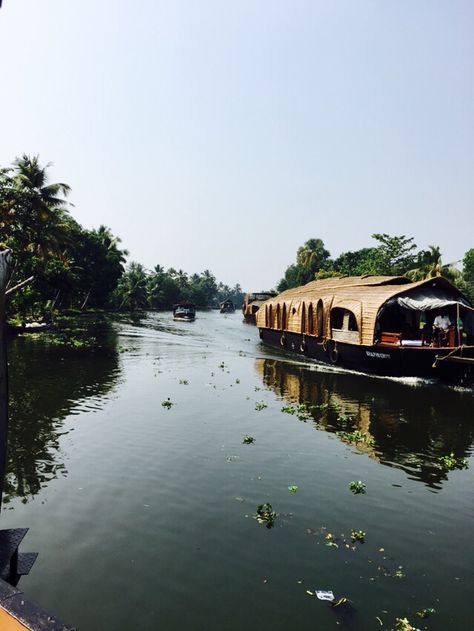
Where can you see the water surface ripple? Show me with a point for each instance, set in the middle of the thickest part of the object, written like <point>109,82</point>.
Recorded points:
<point>143,514</point>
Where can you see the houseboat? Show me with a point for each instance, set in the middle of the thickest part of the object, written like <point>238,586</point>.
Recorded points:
<point>384,325</point>
<point>252,304</point>
<point>227,306</point>
<point>184,311</point>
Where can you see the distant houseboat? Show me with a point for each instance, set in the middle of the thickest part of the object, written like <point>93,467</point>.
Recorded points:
<point>227,306</point>
<point>252,304</point>
<point>184,311</point>
<point>383,325</point>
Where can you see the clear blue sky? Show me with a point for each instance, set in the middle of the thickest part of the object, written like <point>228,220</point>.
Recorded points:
<point>222,135</point>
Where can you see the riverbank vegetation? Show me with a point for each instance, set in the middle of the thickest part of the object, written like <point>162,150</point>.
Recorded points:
<point>61,265</point>
<point>392,255</point>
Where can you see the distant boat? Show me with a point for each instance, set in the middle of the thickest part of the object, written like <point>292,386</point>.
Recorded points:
<point>252,304</point>
<point>383,325</point>
<point>227,306</point>
<point>28,327</point>
<point>184,311</point>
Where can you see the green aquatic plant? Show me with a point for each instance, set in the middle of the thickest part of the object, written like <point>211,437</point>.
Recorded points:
<point>425,613</point>
<point>399,573</point>
<point>302,410</point>
<point>358,535</point>
<point>292,488</point>
<point>237,381</point>
<point>248,440</point>
<point>345,420</point>
<point>184,382</point>
<point>260,405</point>
<point>356,437</point>
<point>167,403</point>
<point>265,515</point>
<point>451,462</point>
<point>357,487</point>
<point>402,624</point>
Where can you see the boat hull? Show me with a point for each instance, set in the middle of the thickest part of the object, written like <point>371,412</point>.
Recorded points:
<point>184,318</point>
<point>384,360</point>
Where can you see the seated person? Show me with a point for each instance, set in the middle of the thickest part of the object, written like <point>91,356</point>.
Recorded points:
<point>441,324</point>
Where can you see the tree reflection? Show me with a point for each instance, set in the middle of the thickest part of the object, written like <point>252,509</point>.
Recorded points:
<point>46,384</point>
<point>411,426</point>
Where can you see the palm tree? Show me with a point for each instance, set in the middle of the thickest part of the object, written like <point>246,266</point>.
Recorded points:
<point>40,211</point>
<point>430,265</point>
<point>310,258</point>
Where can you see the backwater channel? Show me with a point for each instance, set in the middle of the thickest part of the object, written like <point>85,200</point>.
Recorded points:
<point>143,515</point>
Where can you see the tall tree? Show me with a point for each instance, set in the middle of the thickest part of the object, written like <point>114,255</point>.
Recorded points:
<point>396,254</point>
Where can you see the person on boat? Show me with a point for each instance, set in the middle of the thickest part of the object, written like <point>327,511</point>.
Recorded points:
<point>441,324</point>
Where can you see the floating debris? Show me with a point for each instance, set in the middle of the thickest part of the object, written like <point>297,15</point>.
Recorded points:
<point>324,595</point>
<point>248,440</point>
<point>260,405</point>
<point>292,488</point>
<point>167,404</point>
<point>184,382</point>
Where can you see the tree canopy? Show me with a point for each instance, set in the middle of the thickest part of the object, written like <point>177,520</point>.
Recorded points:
<point>392,256</point>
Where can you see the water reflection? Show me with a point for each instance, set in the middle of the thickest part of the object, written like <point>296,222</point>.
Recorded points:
<point>47,383</point>
<point>410,427</point>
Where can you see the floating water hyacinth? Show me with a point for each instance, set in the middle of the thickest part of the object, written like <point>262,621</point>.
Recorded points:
<point>358,535</point>
<point>357,487</point>
<point>248,440</point>
<point>450,463</point>
<point>265,515</point>
<point>167,404</point>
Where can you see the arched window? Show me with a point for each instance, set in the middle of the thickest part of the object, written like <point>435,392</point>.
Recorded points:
<point>283,317</point>
<point>320,317</point>
<point>303,318</point>
<point>310,320</point>
<point>269,317</point>
<point>344,325</point>
<point>278,318</point>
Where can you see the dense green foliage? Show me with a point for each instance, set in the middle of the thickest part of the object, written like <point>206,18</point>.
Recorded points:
<point>393,255</point>
<point>160,289</point>
<point>71,267</point>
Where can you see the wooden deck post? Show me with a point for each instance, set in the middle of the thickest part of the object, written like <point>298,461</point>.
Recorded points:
<point>5,259</point>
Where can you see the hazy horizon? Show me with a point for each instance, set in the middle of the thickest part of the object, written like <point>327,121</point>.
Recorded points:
<point>223,136</point>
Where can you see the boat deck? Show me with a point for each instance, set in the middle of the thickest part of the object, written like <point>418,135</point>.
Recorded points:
<point>9,623</point>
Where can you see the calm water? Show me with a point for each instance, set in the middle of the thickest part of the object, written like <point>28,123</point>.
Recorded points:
<point>143,515</point>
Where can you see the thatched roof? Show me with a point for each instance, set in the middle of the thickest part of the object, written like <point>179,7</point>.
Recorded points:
<point>363,295</point>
